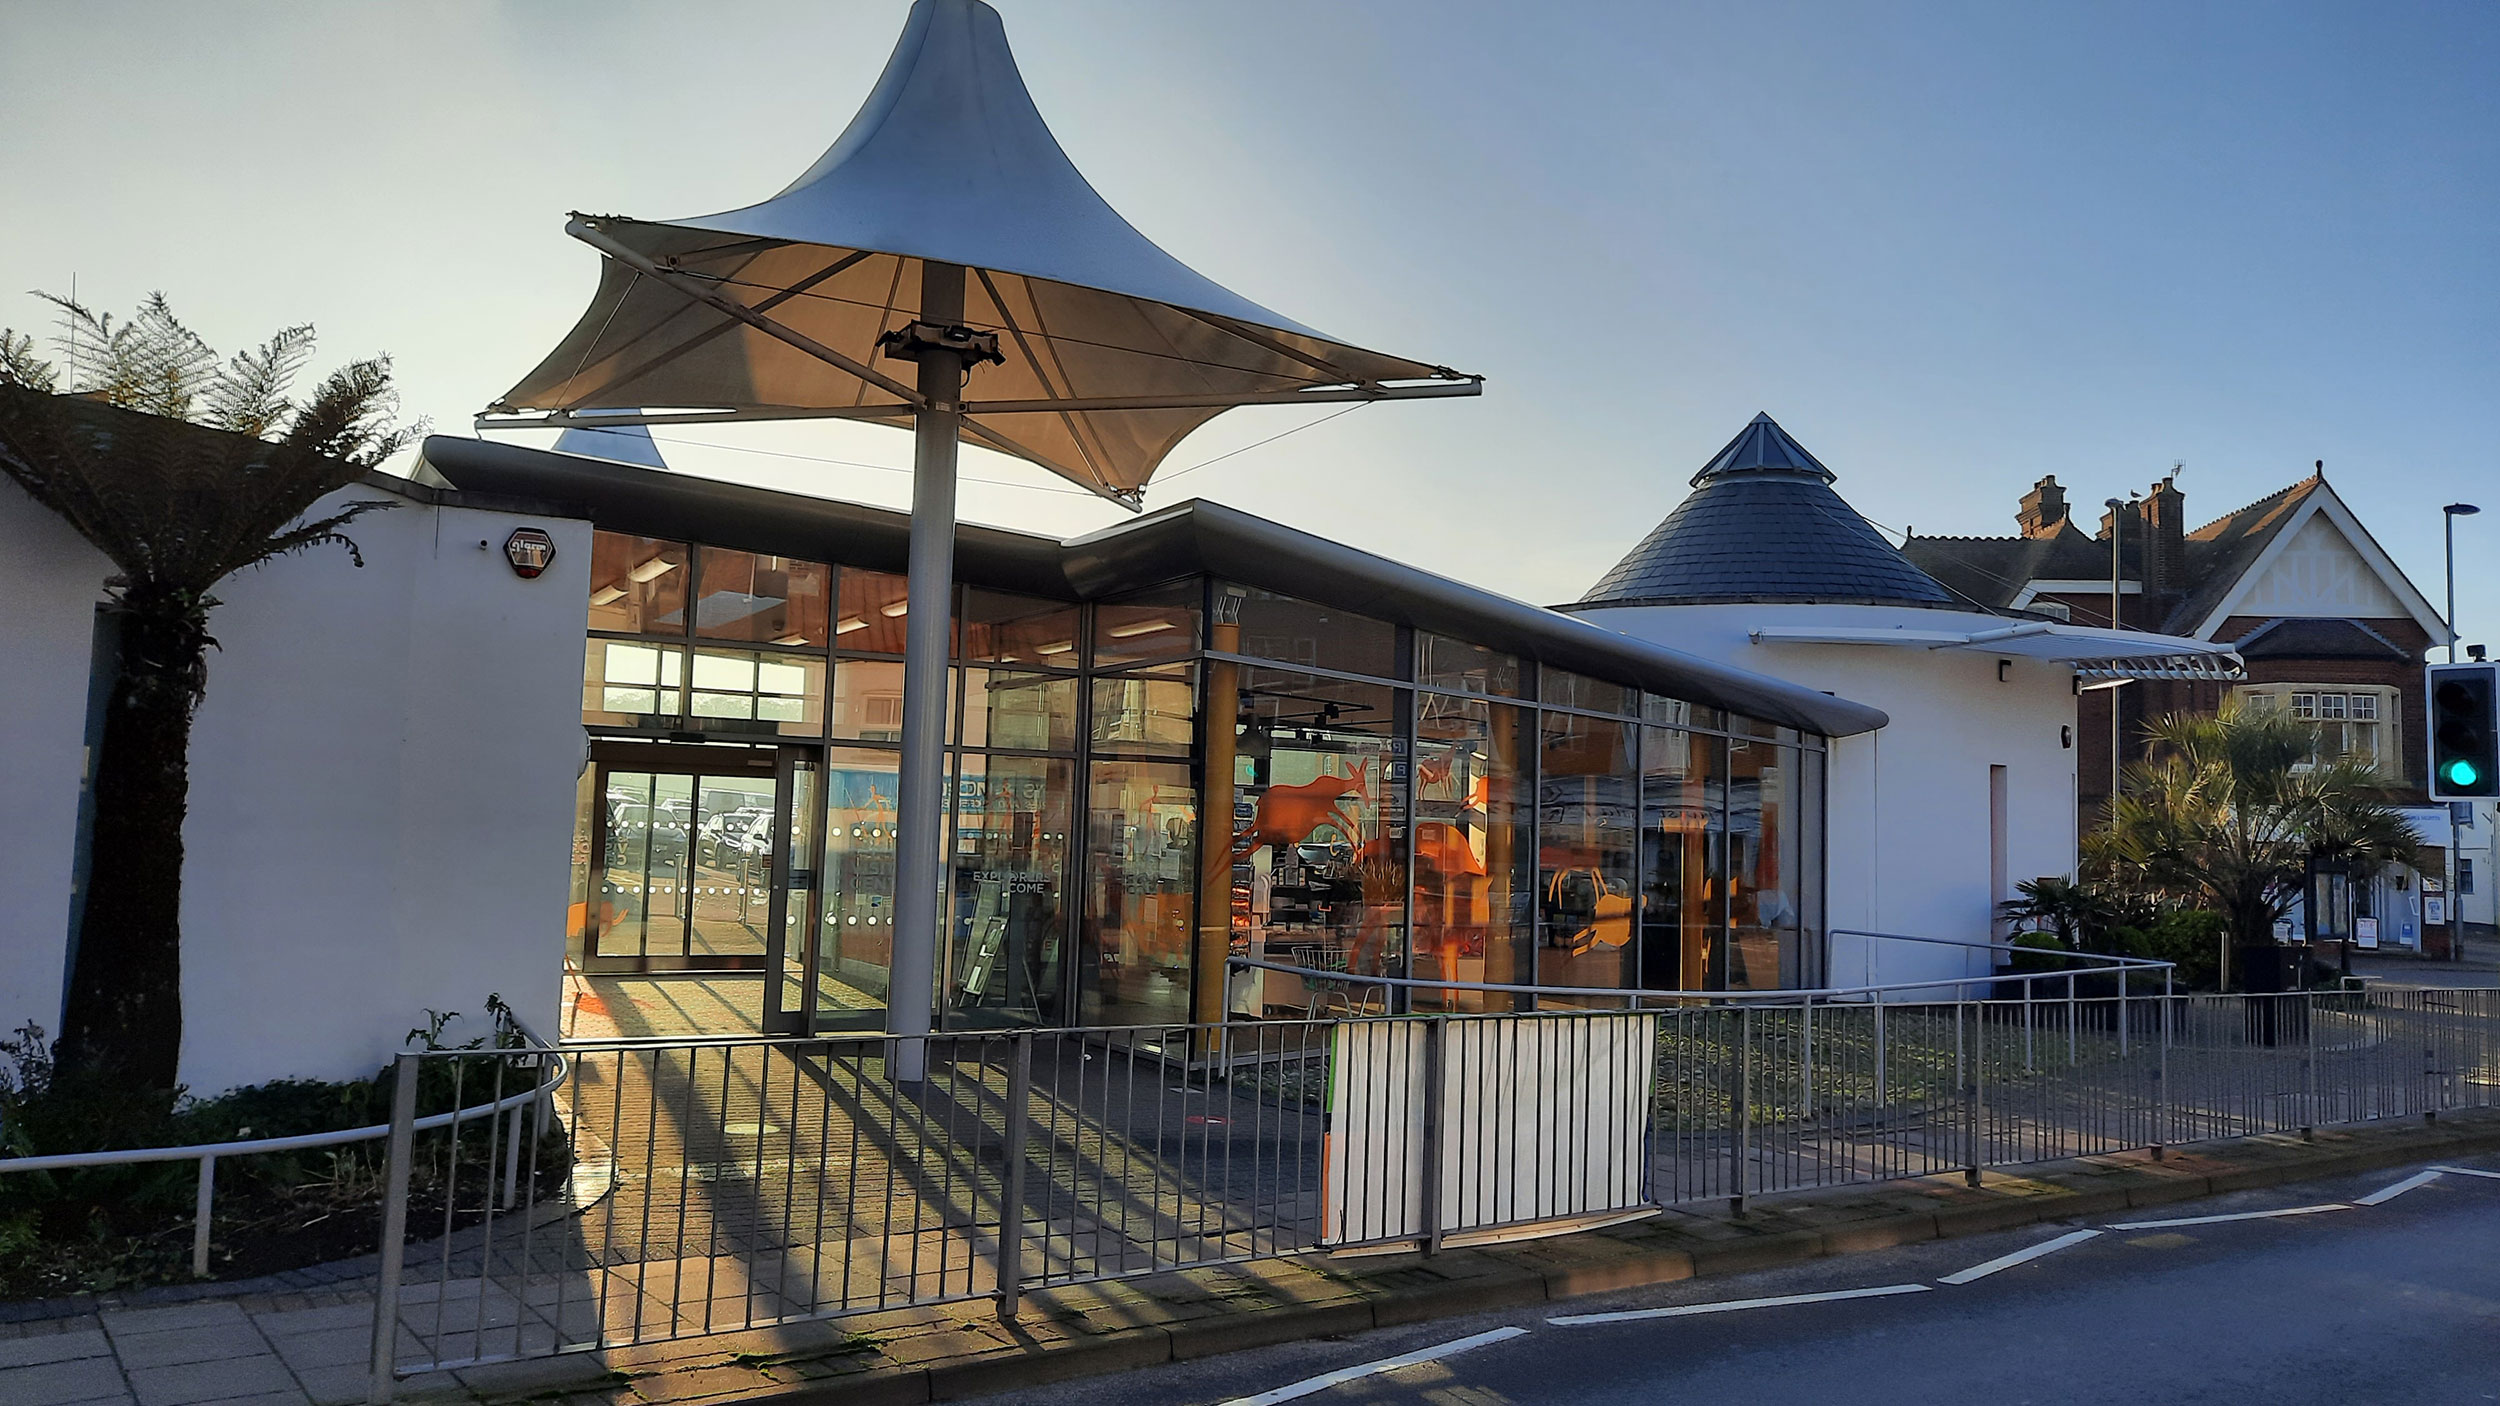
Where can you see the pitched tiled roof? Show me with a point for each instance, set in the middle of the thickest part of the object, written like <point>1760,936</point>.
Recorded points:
<point>1763,524</point>
<point>2221,551</point>
<point>1993,570</point>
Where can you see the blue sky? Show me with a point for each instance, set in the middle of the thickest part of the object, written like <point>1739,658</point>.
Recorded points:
<point>1950,247</point>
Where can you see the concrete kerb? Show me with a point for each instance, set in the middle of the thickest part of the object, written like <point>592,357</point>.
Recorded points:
<point>1382,1291</point>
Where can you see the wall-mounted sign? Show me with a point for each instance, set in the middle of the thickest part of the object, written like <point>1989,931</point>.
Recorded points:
<point>530,550</point>
<point>2365,932</point>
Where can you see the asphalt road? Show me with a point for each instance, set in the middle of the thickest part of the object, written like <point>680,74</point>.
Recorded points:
<point>2393,1303</point>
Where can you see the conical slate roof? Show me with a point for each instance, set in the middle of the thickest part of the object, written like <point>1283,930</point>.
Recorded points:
<point>1763,524</point>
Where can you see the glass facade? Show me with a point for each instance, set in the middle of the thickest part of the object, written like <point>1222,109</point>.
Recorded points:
<point>1151,783</point>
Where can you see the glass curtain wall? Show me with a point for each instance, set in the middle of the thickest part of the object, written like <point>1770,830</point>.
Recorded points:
<point>1148,785</point>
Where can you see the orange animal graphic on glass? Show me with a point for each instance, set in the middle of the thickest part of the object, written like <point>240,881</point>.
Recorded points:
<point>1288,814</point>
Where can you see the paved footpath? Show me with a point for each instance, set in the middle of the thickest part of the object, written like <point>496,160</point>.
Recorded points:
<point>307,1348</point>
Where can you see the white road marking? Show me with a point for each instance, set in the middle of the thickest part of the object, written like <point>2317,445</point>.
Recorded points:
<point>2045,1247</point>
<point>1312,1385</point>
<point>1575,1320</point>
<point>2243,1215</point>
<point>2469,1172</point>
<point>2386,1194</point>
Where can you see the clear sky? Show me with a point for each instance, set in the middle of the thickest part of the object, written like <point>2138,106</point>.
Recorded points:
<point>1951,247</point>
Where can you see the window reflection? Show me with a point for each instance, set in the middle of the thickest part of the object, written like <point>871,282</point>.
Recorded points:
<point>761,599</point>
<point>1474,869</point>
<point>1318,839</point>
<point>1013,629</point>
<point>1148,626</point>
<point>1151,712</point>
<point>872,614</point>
<point>1140,872</point>
<point>1763,949</point>
<point>756,692</point>
<point>632,685</point>
<point>1442,662</point>
<point>637,584</point>
<point>1028,712</point>
<point>855,946</point>
<point>1682,829</point>
<point>1009,866</point>
<point>1587,799</point>
<point>1299,632</point>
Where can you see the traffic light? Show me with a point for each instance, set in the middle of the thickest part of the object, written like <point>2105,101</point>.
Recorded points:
<point>2465,732</point>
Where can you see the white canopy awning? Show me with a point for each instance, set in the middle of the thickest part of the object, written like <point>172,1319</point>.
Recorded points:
<point>2095,652</point>
<point>1114,350</point>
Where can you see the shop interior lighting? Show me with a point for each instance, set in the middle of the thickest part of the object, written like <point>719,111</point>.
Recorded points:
<point>1147,627</point>
<point>653,569</point>
<point>1062,647</point>
<point>892,609</point>
<point>607,595</point>
<point>791,639</point>
<point>844,627</point>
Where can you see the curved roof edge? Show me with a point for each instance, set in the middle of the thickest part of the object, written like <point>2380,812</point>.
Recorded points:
<point>1190,538</point>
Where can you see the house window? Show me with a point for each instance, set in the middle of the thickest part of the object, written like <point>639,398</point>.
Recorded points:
<point>2465,875</point>
<point>2359,723</point>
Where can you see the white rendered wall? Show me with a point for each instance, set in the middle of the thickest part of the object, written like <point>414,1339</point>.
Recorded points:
<point>1908,819</point>
<point>49,577</point>
<point>382,783</point>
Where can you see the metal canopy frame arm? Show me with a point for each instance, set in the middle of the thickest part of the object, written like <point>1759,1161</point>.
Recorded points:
<point>679,282</point>
<point>1430,390</point>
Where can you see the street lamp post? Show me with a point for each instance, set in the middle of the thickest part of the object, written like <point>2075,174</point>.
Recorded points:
<point>2457,810</point>
<point>2448,518</point>
<point>2117,750</point>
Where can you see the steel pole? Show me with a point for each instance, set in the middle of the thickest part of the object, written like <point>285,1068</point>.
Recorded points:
<point>2448,520</point>
<point>911,993</point>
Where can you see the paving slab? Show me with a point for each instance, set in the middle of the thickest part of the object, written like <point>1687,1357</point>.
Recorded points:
<point>54,1347</point>
<point>58,1383</point>
<point>195,1382</point>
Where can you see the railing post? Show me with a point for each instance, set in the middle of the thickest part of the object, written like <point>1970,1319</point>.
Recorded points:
<point>1436,1037</point>
<point>1972,1054</point>
<point>2029,1063</point>
<point>1741,1105</point>
<point>402,1152</point>
<point>1011,1179</point>
<point>2161,1073</point>
<point>2070,1017</point>
<point>2122,1013</point>
<point>205,1199</point>
<point>1883,1095</point>
<point>1805,1062</point>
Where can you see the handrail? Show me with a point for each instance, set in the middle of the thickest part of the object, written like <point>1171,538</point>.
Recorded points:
<point>2003,948</point>
<point>1630,994</point>
<point>208,1153</point>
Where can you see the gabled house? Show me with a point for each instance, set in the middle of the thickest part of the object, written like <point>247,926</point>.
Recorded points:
<point>2325,623</point>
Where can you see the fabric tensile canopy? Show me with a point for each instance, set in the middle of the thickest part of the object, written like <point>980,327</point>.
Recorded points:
<point>1113,350</point>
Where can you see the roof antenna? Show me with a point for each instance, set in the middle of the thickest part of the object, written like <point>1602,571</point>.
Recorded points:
<point>2321,471</point>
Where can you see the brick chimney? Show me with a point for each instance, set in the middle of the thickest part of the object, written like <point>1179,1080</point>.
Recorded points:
<point>2044,509</point>
<point>2165,541</point>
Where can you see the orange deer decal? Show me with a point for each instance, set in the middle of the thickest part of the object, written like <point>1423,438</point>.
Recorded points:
<point>1288,814</point>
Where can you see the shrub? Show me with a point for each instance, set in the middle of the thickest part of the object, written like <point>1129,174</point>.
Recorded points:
<point>2188,938</point>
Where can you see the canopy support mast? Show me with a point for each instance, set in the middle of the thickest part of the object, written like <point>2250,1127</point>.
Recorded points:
<point>943,346</point>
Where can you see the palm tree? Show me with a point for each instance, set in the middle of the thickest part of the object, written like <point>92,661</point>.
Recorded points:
<point>182,470</point>
<point>2080,915</point>
<point>2231,808</point>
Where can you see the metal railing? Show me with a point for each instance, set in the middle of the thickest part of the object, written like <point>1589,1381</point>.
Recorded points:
<point>208,1154</point>
<point>712,1186</point>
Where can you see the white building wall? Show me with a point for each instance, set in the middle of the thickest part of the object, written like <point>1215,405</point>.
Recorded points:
<point>1909,826</point>
<point>49,578</point>
<point>382,785</point>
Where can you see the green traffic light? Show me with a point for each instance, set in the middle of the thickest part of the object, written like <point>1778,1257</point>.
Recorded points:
<point>2461,773</point>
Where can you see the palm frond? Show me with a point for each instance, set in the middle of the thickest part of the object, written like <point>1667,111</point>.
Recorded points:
<point>20,368</point>
<point>349,416</point>
<point>320,532</point>
<point>149,362</point>
<point>248,395</point>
